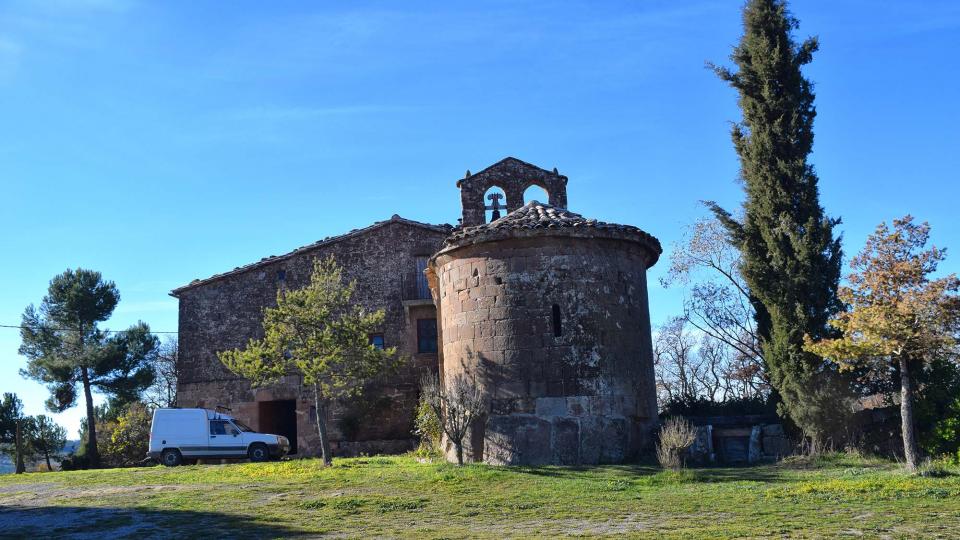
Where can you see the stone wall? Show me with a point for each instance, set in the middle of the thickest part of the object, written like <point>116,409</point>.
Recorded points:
<point>584,396</point>
<point>738,439</point>
<point>225,311</point>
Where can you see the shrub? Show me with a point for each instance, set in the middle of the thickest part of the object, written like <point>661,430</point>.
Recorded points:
<point>427,427</point>
<point>758,405</point>
<point>123,436</point>
<point>676,437</point>
<point>76,462</point>
<point>457,402</point>
<point>933,469</point>
<point>129,439</point>
<point>943,437</point>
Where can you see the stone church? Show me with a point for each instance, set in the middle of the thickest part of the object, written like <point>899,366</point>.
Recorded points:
<point>545,309</point>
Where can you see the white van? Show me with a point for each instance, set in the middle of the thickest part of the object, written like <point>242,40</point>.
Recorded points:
<point>183,435</point>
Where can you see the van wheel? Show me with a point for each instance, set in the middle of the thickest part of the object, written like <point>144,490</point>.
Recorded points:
<point>171,457</point>
<point>258,452</point>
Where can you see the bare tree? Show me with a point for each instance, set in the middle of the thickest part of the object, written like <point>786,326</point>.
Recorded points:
<point>163,391</point>
<point>677,368</point>
<point>714,357</point>
<point>716,300</point>
<point>457,402</point>
<point>692,366</point>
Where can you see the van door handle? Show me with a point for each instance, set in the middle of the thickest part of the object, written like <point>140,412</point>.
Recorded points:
<point>213,436</point>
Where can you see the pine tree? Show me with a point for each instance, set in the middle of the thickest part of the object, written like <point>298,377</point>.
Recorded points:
<point>45,438</point>
<point>65,349</point>
<point>320,333</point>
<point>791,259</point>
<point>11,417</point>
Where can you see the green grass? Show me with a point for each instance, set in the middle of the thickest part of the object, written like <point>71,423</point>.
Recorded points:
<point>398,497</point>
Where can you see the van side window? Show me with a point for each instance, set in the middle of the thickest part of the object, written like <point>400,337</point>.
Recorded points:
<point>218,427</point>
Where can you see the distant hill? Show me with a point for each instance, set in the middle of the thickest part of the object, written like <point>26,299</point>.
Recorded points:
<point>7,465</point>
<point>71,447</point>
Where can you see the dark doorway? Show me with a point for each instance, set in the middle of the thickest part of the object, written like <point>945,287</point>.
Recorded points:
<point>280,418</point>
<point>734,449</point>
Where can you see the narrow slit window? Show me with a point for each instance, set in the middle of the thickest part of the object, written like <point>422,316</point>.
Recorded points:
<point>557,321</point>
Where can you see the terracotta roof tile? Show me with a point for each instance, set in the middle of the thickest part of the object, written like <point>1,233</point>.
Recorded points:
<point>536,216</point>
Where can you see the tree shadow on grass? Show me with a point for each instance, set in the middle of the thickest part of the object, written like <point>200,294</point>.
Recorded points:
<point>587,472</point>
<point>104,523</point>
<point>744,473</point>
<point>740,473</point>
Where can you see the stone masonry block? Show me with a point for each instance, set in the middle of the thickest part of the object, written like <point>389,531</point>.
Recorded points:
<point>551,406</point>
<point>565,441</point>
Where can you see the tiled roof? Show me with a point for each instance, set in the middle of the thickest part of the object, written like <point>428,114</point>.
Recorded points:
<point>326,241</point>
<point>537,216</point>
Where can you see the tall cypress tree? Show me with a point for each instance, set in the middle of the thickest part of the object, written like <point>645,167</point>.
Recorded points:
<point>791,259</point>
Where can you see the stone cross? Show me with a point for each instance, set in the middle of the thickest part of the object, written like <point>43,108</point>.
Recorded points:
<point>495,199</point>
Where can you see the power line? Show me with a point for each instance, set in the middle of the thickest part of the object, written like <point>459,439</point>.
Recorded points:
<point>18,326</point>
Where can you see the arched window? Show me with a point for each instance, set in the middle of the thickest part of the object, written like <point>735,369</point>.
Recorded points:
<point>536,193</point>
<point>495,204</point>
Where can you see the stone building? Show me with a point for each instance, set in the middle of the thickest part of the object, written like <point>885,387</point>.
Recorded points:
<point>545,309</point>
<point>224,311</point>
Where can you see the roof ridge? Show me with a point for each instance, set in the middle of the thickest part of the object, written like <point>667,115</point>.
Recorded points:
<point>511,158</point>
<point>395,218</point>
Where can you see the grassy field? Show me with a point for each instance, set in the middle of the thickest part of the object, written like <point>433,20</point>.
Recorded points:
<point>398,497</point>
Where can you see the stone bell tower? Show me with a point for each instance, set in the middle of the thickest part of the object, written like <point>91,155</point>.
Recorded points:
<point>513,177</point>
<point>547,311</point>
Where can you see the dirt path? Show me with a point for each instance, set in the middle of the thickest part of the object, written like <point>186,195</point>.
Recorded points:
<point>44,510</point>
<point>56,510</point>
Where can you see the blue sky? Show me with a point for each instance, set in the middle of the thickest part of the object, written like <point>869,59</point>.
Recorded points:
<point>164,141</point>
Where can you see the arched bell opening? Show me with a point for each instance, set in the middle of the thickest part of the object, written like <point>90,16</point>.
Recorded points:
<point>536,193</point>
<point>495,204</point>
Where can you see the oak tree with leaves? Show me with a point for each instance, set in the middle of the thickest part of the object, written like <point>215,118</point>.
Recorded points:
<point>319,333</point>
<point>899,319</point>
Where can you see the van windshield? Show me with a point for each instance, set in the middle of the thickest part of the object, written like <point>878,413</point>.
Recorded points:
<point>243,427</point>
